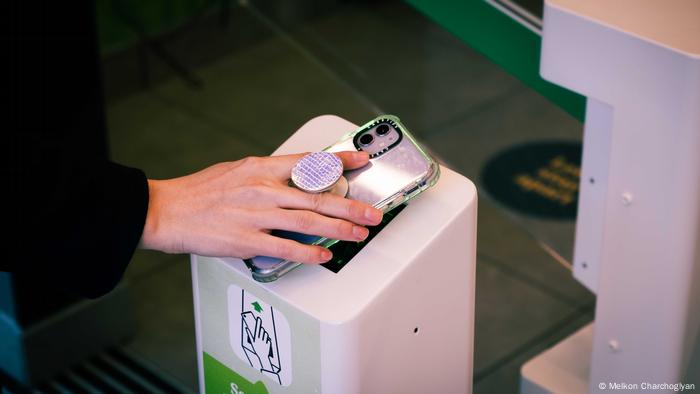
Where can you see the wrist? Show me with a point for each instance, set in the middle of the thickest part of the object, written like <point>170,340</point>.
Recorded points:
<point>149,237</point>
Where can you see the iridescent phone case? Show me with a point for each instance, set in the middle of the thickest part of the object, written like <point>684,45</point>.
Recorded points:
<point>398,170</point>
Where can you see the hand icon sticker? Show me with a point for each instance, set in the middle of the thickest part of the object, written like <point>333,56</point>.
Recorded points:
<point>259,335</point>
<point>260,342</point>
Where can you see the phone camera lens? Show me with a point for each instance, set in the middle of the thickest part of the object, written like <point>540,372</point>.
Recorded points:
<point>382,130</point>
<point>366,139</point>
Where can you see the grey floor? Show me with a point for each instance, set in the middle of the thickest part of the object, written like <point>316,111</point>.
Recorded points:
<point>264,75</point>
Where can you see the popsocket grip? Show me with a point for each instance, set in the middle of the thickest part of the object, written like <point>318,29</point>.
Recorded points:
<point>317,172</point>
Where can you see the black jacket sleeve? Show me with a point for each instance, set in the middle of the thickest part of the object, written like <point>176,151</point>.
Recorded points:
<point>78,217</point>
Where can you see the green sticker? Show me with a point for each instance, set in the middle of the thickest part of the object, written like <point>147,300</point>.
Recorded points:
<point>219,379</point>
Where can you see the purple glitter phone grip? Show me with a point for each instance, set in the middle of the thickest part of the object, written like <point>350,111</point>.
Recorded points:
<point>317,172</point>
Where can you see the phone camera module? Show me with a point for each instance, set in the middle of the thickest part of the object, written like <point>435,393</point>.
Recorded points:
<point>382,130</point>
<point>366,139</point>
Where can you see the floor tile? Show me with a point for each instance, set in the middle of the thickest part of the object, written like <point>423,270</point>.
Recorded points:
<point>468,142</point>
<point>504,244</point>
<point>216,32</point>
<point>164,141</point>
<point>164,311</point>
<point>264,94</point>
<point>509,313</point>
<point>403,63</point>
<point>506,378</point>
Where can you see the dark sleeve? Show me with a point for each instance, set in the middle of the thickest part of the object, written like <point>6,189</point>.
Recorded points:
<point>82,227</point>
<point>78,217</point>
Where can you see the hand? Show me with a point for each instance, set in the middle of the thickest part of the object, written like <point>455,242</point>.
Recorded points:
<point>229,209</point>
<point>260,340</point>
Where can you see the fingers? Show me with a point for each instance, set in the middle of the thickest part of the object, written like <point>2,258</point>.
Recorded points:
<point>280,167</point>
<point>329,205</point>
<point>258,327</point>
<point>307,222</point>
<point>286,249</point>
<point>352,160</point>
<point>251,337</point>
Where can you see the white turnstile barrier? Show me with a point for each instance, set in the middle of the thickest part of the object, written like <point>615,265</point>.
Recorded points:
<point>397,318</point>
<point>638,227</point>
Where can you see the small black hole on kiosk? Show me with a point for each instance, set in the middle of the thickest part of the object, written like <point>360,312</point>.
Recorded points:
<point>344,251</point>
<point>415,330</point>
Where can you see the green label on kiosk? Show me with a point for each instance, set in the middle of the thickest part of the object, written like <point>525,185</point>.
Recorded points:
<point>219,379</point>
<point>252,341</point>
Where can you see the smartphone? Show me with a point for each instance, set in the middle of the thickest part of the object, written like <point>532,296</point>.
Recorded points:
<point>398,170</point>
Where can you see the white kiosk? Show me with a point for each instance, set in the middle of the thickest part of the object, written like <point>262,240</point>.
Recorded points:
<point>638,228</point>
<point>397,318</point>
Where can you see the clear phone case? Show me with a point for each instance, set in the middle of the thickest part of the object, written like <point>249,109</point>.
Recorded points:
<point>399,169</point>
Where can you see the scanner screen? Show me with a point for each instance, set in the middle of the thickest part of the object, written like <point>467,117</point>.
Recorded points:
<point>344,251</point>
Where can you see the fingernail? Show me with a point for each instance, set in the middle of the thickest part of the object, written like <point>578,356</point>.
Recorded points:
<point>360,232</point>
<point>326,255</point>
<point>373,215</point>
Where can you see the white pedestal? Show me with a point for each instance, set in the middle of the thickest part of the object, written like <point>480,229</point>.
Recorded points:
<point>398,318</point>
<point>561,369</point>
<point>638,227</point>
